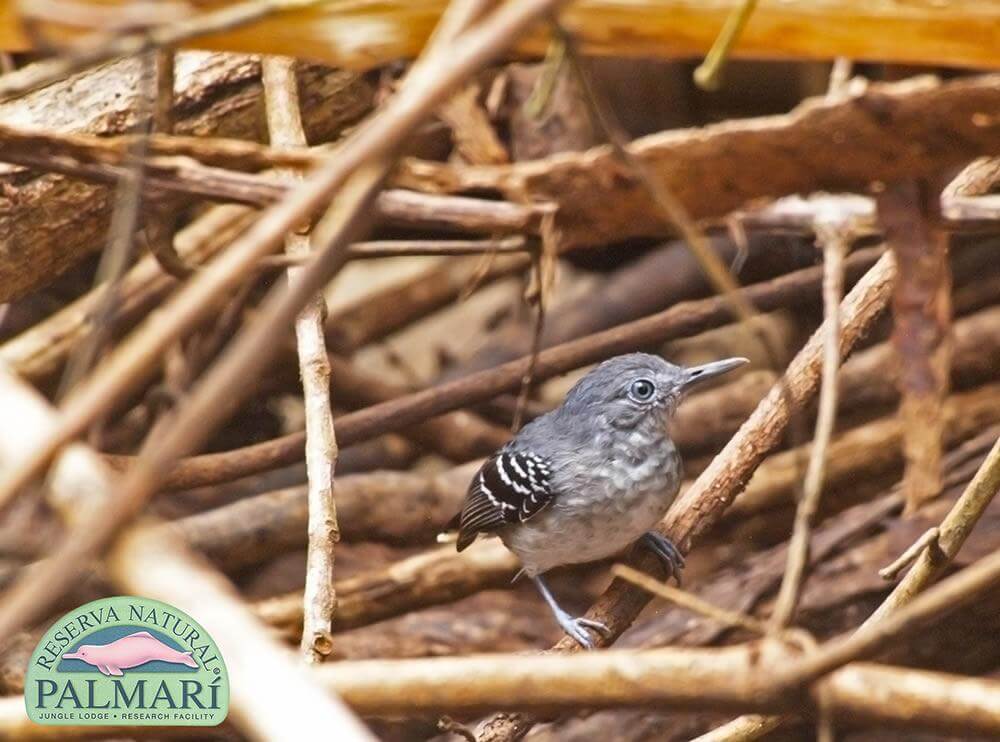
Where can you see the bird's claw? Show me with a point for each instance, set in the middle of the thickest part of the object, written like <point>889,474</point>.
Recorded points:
<point>577,628</point>
<point>597,626</point>
<point>664,550</point>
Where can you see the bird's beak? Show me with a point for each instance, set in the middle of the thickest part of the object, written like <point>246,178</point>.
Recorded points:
<point>698,374</point>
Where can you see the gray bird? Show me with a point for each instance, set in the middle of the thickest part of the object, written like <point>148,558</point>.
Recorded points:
<point>589,478</point>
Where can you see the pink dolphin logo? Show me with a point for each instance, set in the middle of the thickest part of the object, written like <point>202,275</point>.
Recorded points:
<point>129,651</point>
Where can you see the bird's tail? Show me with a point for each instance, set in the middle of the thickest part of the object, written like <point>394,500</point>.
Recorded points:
<point>465,539</point>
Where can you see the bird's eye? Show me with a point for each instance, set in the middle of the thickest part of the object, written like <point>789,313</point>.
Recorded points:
<point>642,390</point>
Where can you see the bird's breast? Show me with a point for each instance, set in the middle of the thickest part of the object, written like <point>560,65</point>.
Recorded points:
<point>602,508</point>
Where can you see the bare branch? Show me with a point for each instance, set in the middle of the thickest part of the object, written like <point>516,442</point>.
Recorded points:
<point>320,599</point>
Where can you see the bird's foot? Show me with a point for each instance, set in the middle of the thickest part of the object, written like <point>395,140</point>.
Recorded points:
<point>664,550</point>
<point>577,628</point>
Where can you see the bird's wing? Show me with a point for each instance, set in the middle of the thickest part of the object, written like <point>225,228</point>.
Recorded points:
<point>511,486</point>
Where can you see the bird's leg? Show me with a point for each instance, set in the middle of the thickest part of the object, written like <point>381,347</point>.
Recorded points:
<point>664,550</point>
<point>575,627</point>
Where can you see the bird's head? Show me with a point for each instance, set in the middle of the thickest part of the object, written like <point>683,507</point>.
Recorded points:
<point>630,389</point>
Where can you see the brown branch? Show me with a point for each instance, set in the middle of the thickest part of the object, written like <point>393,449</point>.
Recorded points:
<point>896,131</point>
<point>921,330</point>
<point>160,224</point>
<point>971,196</point>
<point>889,124</point>
<point>396,507</point>
<point>38,353</point>
<point>664,678</point>
<point>372,318</point>
<point>80,157</point>
<point>433,578</point>
<point>216,93</point>
<point>459,436</point>
<point>473,135</point>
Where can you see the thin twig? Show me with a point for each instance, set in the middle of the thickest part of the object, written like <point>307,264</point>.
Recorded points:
<point>117,254</point>
<point>669,205</point>
<point>544,262</point>
<point>319,599</point>
<point>877,635</point>
<point>414,248</point>
<point>692,602</point>
<point>709,73</point>
<point>160,223</point>
<point>742,729</point>
<point>840,75</point>
<point>834,238</point>
<point>952,533</point>
<point>928,541</point>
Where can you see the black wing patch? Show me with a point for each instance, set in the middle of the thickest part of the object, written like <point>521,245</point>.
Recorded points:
<point>510,487</point>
